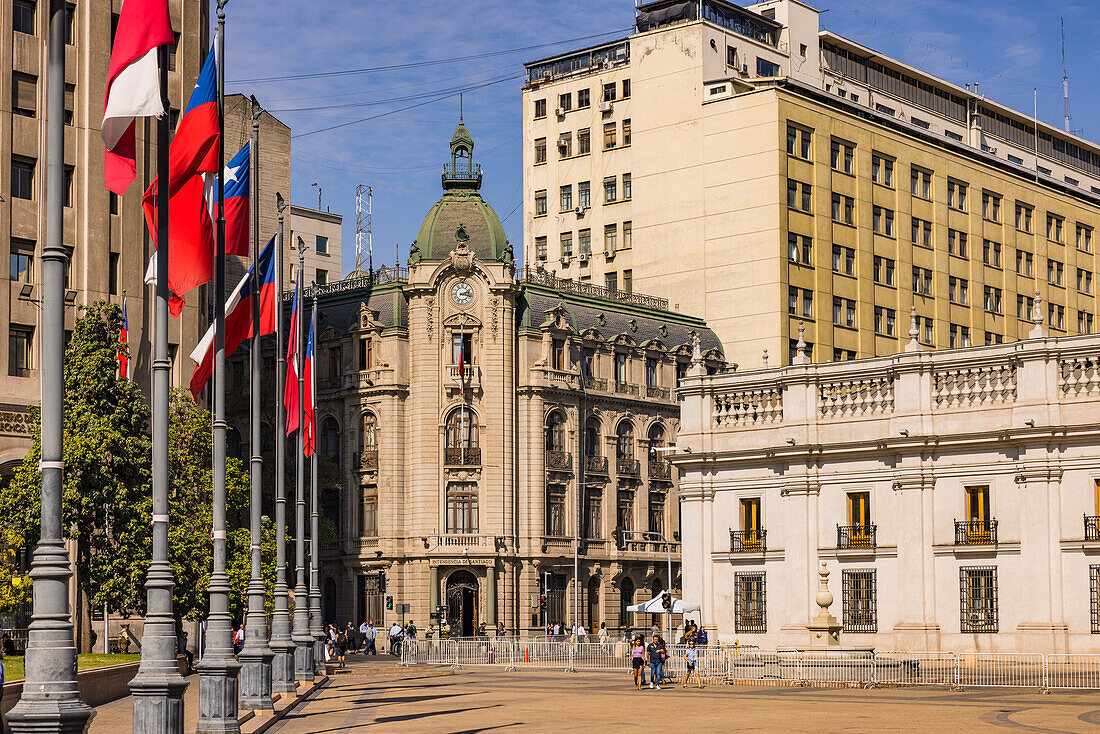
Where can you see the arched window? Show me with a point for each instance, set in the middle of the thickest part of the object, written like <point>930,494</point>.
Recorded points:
<point>368,432</point>
<point>592,437</point>
<point>626,598</point>
<point>656,441</point>
<point>330,438</point>
<point>462,429</point>
<point>624,445</point>
<point>555,432</point>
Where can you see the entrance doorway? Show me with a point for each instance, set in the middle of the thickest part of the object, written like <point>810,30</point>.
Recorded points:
<point>462,603</point>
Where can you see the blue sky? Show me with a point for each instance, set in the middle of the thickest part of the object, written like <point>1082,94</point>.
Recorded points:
<point>1010,47</point>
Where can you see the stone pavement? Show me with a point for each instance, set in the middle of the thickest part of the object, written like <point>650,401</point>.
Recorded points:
<point>374,694</point>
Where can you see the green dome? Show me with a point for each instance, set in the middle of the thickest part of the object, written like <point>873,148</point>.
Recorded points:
<point>461,215</point>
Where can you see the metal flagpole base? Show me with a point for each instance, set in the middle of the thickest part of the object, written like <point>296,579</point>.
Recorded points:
<point>158,686</point>
<point>303,659</point>
<point>282,666</point>
<point>256,681</point>
<point>218,692</point>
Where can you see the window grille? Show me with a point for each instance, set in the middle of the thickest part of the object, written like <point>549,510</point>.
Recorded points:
<point>860,601</point>
<point>749,610</point>
<point>978,599</point>
<point>1094,598</point>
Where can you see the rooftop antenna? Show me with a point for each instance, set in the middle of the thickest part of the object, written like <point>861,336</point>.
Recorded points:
<point>363,228</point>
<point>460,97</point>
<point>1065,79</point>
<point>318,187</point>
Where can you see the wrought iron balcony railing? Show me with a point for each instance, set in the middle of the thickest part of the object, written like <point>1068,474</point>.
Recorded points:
<point>469,456</point>
<point>625,388</point>
<point>594,383</point>
<point>857,536</point>
<point>661,393</point>
<point>628,467</point>
<point>368,460</point>
<point>975,532</point>
<point>595,464</point>
<point>1092,527</point>
<point>748,541</point>
<point>559,460</point>
<point>660,470</point>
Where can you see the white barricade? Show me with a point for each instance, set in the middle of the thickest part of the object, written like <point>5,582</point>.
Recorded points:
<point>916,668</point>
<point>1009,670</point>
<point>1073,671</point>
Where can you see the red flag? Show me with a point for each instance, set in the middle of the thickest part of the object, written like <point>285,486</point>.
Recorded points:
<point>461,370</point>
<point>309,435</point>
<point>133,85</point>
<point>191,233</point>
<point>290,393</point>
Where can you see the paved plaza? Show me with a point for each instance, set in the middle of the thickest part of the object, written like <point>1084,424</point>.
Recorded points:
<point>372,696</point>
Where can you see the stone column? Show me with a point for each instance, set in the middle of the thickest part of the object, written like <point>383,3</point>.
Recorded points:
<point>1043,627</point>
<point>491,595</point>
<point>433,590</point>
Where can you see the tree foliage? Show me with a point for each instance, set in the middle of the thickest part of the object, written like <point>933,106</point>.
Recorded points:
<point>15,588</point>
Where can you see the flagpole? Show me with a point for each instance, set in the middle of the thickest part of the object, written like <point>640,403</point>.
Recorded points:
<point>315,627</point>
<point>256,655</point>
<point>303,641</point>
<point>282,664</point>
<point>218,669</point>
<point>51,701</point>
<point>158,686</point>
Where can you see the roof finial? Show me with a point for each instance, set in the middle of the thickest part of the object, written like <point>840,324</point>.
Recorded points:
<point>801,348</point>
<point>460,108</point>
<point>1037,331</point>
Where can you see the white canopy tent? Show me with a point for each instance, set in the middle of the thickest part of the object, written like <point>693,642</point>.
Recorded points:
<point>654,606</point>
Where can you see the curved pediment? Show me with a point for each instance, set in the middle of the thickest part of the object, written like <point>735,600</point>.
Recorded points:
<point>462,320</point>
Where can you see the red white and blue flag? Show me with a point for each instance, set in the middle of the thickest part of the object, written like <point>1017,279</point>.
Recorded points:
<point>238,319</point>
<point>124,346</point>
<point>194,147</point>
<point>237,178</point>
<point>133,85</point>
<point>309,436</point>
<point>290,393</point>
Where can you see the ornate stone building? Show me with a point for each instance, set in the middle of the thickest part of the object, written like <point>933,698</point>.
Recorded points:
<point>482,419</point>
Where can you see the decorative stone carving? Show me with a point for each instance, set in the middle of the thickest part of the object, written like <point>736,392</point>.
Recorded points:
<point>431,315</point>
<point>494,304</point>
<point>462,259</point>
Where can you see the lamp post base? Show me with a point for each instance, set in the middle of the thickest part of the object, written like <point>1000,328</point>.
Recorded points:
<point>256,681</point>
<point>32,716</point>
<point>303,660</point>
<point>218,692</point>
<point>158,703</point>
<point>282,667</point>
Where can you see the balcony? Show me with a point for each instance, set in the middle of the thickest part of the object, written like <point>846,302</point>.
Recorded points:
<point>594,383</point>
<point>748,541</point>
<point>661,393</point>
<point>367,460</point>
<point>595,465</point>
<point>559,461</point>
<point>469,456</point>
<point>625,388</point>
<point>628,467</point>
<point>329,384</point>
<point>856,536</point>
<point>975,532</point>
<point>660,470</point>
<point>455,542</point>
<point>471,376</point>
<point>1092,527</point>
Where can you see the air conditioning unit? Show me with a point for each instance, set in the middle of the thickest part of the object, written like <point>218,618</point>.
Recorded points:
<point>562,143</point>
<point>605,106</point>
<point>583,257</point>
<point>564,261</point>
<point>579,211</point>
<point>547,74</point>
<point>559,112</point>
<point>609,254</point>
<point>744,69</point>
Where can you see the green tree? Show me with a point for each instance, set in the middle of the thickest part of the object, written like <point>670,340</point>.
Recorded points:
<point>15,588</point>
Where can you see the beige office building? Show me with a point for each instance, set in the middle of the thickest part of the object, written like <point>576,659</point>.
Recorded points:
<point>105,234</point>
<point>320,232</point>
<point>757,171</point>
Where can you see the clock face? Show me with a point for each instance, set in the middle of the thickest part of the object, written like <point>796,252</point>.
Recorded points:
<point>462,293</point>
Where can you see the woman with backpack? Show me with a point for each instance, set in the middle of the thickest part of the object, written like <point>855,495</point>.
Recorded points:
<point>341,645</point>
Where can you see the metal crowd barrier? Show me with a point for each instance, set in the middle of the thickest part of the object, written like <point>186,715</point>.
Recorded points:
<point>748,665</point>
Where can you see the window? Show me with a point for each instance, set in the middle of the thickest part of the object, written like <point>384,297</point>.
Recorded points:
<point>608,135</point>
<point>798,195</point>
<point>584,241</point>
<point>956,243</point>
<point>584,98</point>
<point>884,270</point>
<point>1094,598</point>
<point>843,209</point>
<point>624,435</point>
<point>22,261</point>
<point>842,156</point>
<point>626,131</point>
<point>112,202</point>
<point>1084,322</point>
<point>844,260</point>
<point>657,512</point>
<point>992,299</point>
<point>800,302</point>
<point>366,354</point>
<point>844,311</point>
<point>626,88</point>
<point>1084,281</point>
<point>922,281</point>
<point>750,520</point>
<point>584,194</point>
<point>924,327</point>
<point>956,195</point>
<point>555,509</point>
<point>958,290</point>
<point>69,172</point>
<point>540,108</point>
<point>627,182</point>
<point>1084,238</point>
<point>611,280</point>
<point>859,595</point>
<point>991,253</point>
<point>23,16</point>
<point>609,92</point>
<point>991,206</point>
<point>978,599</point>
<point>766,68</point>
<point>369,526</point>
<point>882,220</point>
<point>462,508</point>
<point>1024,307</point>
<point>20,351</point>
<point>921,232</point>
<point>624,515</point>
<point>540,203</point>
<point>1023,217</point>
<point>557,354</point>
<point>959,336</point>
<point>566,195</point>
<point>322,245</point>
<point>610,190</point>
<point>565,101</point>
<point>540,150</point>
<point>1054,272</point>
<point>920,183</point>
<point>792,350</point>
<point>1056,316</point>
<point>112,273</point>
<point>951,134</point>
<point>885,320</point>
<point>628,281</point>
<point>565,145</point>
<point>22,177</point>
<point>628,232</point>
<point>24,94</point>
<point>462,348</point>
<point>799,248</point>
<point>749,615</point>
<point>882,170</point>
<point>651,372</point>
<point>1024,263</point>
<point>566,242</point>
<point>584,141</point>
<point>592,425</point>
<point>843,355</point>
<point>798,142</point>
<point>610,237</point>
<point>1054,227</point>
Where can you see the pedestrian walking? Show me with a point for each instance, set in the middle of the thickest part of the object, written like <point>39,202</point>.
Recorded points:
<point>655,655</point>
<point>691,655</point>
<point>500,629</point>
<point>637,661</point>
<point>371,636</point>
<point>340,645</point>
<point>190,656</point>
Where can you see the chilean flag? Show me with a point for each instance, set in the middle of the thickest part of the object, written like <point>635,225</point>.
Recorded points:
<point>290,393</point>
<point>237,178</point>
<point>194,147</point>
<point>124,346</point>
<point>238,319</point>
<point>309,436</point>
<point>133,85</point>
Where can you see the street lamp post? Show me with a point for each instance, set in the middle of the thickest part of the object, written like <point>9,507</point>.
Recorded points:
<point>303,641</point>
<point>50,701</point>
